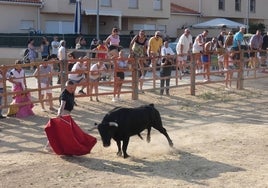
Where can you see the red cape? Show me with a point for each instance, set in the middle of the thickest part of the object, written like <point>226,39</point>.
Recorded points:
<point>67,138</point>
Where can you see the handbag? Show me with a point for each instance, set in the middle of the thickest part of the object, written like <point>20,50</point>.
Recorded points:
<point>13,109</point>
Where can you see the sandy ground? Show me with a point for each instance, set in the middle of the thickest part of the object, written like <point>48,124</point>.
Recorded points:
<point>220,140</point>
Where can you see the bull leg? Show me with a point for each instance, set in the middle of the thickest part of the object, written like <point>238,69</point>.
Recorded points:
<point>119,152</point>
<point>149,135</point>
<point>164,132</point>
<point>125,144</point>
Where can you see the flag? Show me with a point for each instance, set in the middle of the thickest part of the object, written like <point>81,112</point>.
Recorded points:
<point>77,17</point>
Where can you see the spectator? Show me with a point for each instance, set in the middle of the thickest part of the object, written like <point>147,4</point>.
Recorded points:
<point>209,48</point>
<point>62,57</point>
<point>154,50</point>
<point>96,71</point>
<point>67,99</point>
<point>166,68</point>
<point>32,53</point>
<point>77,75</point>
<point>71,62</point>
<point>198,48</point>
<point>55,46</point>
<point>112,42</point>
<point>255,46</point>
<point>1,93</point>
<point>93,46</point>
<point>237,42</point>
<point>183,47</point>
<point>81,44</point>
<point>44,48</point>
<point>220,50</point>
<point>102,50</point>
<point>44,78</point>
<point>138,47</point>
<point>120,67</point>
<point>264,52</point>
<point>18,80</point>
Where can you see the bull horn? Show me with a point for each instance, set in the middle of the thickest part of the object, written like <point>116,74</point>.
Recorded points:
<point>113,124</point>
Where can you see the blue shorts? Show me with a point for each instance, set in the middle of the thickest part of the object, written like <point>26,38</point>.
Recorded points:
<point>204,59</point>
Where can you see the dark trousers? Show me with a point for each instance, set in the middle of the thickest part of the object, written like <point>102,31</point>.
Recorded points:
<point>165,72</point>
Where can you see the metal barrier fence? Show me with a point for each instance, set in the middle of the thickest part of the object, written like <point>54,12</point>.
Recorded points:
<point>132,81</point>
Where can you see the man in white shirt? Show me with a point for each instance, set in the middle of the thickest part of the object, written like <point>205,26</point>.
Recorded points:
<point>55,46</point>
<point>62,56</point>
<point>78,75</point>
<point>183,48</point>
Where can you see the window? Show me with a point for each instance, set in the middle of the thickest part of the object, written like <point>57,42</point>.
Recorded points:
<point>72,1</point>
<point>62,27</point>
<point>221,4</point>
<point>237,5</point>
<point>252,6</point>
<point>132,3</point>
<point>157,5</point>
<point>105,3</point>
<point>27,24</point>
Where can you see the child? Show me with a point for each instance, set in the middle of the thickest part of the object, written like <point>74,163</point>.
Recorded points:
<point>44,78</point>
<point>95,74</point>
<point>120,66</point>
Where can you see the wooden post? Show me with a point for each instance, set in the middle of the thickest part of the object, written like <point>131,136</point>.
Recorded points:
<point>192,74</point>
<point>135,78</point>
<point>240,73</point>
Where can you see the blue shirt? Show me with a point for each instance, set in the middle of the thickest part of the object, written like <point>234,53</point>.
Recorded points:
<point>238,37</point>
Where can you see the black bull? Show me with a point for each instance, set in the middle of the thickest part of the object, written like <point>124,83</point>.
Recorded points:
<point>122,123</point>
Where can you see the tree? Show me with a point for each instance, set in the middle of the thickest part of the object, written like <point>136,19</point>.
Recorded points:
<point>253,27</point>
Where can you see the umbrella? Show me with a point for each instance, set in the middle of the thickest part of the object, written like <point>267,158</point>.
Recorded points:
<point>77,17</point>
<point>218,23</point>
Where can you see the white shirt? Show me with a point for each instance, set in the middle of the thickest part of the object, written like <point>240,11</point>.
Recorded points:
<point>55,47</point>
<point>95,67</point>
<point>18,76</point>
<point>62,53</point>
<point>78,66</point>
<point>166,50</point>
<point>185,42</point>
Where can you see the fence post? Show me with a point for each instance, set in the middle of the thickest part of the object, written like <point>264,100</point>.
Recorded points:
<point>63,71</point>
<point>192,73</point>
<point>240,73</point>
<point>135,78</point>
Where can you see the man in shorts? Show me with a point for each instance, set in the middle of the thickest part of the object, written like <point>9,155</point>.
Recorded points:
<point>183,48</point>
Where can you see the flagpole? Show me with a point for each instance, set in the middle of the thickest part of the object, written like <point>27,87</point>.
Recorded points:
<point>98,20</point>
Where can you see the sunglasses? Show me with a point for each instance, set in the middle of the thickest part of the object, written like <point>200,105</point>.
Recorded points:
<point>158,35</point>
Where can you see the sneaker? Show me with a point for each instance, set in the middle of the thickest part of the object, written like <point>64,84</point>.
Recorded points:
<point>119,99</point>
<point>142,77</point>
<point>97,100</point>
<point>43,110</point>
<point>205,80</point>
<point>114,99</point>
<point>52,109</point>
<point>81,92</point>
<point>2,117</point>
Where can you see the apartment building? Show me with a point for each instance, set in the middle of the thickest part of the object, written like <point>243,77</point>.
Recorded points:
<point>243,11</point>
<point>57,16</point>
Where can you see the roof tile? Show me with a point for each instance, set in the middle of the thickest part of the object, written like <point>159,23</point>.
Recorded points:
<point>174,8</point>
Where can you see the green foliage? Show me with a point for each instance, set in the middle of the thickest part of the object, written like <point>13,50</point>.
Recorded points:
<point>253,27</point>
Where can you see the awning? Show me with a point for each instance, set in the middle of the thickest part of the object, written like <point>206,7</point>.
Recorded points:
<point>117,13</point>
